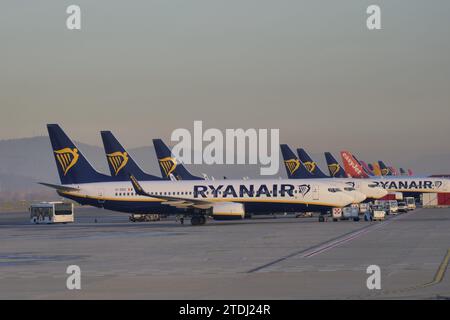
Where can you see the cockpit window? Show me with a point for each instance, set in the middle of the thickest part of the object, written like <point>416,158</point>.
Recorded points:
<point>372,185</point>
<point>334,190</point>
<point>349,189</point>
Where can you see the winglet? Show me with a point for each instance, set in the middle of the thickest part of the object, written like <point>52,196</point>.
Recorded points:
<point>137,187</point>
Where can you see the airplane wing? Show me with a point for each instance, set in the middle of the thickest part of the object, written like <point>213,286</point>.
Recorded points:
<point>59,187</point>
<point>171,200</point>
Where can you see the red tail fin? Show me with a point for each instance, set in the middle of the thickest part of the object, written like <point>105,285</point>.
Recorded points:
<point>352,167</point>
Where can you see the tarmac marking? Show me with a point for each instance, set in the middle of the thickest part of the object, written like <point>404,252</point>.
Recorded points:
<point>348,237</point>
<point>439,276</point>
<point>329,244</point>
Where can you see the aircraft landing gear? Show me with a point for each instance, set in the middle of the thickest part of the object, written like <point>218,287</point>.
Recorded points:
<point>197,220</point>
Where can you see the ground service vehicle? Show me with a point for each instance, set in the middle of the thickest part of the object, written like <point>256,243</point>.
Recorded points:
<point>51,212</point>
<point>379,212</point>
<point>393,206</point>
<point>402,207</point>
<point>363,207</point>
<point>336,214</point>
<point>411,203</point>
<point>350,213</point>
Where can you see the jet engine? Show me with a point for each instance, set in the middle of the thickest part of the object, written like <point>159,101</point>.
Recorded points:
<point>228,211</point>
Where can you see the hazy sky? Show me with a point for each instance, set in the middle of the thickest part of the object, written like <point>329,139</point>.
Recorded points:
<point>310,68</point>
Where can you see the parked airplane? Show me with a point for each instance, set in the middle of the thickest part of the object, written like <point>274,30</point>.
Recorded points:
<point>195,198</point>
<point>360,189</point>
<point>413,186</point>
<point>120,162</point>
<point>393,170</point>
<point>364,166</point>
<point>334,167</point>
<point>169,165</point>
<point>352,167</point>
<point>376,169</point>
<point>384,169</point>
<point>367,168</point>
<point>409,186</point>
<point>310,164</point>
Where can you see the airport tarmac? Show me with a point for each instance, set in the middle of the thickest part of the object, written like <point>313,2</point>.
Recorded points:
<point>283,258</point>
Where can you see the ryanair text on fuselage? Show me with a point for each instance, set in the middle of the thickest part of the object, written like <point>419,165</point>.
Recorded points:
<point>410,184</point>
<point>273,190</point>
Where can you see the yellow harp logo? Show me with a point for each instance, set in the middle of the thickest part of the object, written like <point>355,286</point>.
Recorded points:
<point>67,158</point>
<point>334,168</point>
<point>385,171</point>
<point>118,160</point>
<point>168,164</point>
<point>310,166</point>
<point>292,165</point>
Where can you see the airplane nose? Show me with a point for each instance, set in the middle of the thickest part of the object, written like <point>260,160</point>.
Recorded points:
<point>381,192</point>
<point>360,197</point>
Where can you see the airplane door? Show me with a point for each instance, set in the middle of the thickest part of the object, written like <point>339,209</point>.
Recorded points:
<point>315,193</point>
<point>100,194</point>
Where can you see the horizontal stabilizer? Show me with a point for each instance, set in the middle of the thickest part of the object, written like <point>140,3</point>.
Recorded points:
<point>59,187</point>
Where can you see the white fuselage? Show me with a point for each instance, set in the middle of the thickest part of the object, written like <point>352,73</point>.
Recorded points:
<point>363,186</point>
<point>258,196</point>
<point>413,184</point>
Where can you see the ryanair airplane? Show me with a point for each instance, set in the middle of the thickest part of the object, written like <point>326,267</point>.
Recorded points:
<point>169,165</point>
<point>334,168</point>
<point>120,162</point>
<point>195,198</point>
<point>360,190</point>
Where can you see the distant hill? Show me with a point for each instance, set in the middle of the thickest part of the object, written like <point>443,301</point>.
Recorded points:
<point>24,162</point>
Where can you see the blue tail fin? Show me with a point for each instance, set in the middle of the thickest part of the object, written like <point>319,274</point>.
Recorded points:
<point>384,169</point>
<point>403,172</point>
<point>73,167</point>
<point>120,163</point>
<point>294,168</point>
<point>169,165</point>
<point>310,164</point>
<point>335,169</point>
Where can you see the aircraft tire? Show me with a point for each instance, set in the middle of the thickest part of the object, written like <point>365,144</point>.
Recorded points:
<point>195,221</point>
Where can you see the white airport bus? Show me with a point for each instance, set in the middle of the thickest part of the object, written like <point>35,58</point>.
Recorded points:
<point>51,212</point>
